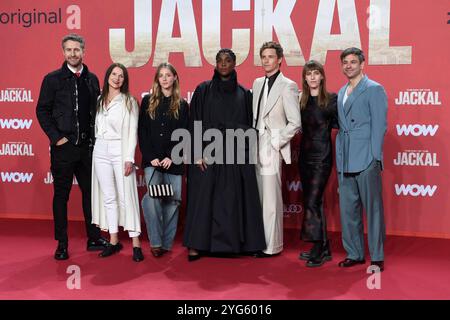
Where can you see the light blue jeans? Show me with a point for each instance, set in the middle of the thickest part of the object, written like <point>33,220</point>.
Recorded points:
<point>161,215</point>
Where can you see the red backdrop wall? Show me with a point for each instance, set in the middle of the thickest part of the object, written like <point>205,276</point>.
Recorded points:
<point>407,49</point>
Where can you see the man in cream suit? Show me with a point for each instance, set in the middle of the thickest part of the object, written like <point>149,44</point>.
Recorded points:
<point>362,110</point>
<point>276,116</point>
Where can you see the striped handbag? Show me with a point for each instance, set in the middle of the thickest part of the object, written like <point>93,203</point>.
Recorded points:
<point>160,190</point>
<point>163,190</point>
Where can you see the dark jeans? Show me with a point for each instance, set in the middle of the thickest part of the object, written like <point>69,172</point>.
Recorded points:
<point>68,160</point>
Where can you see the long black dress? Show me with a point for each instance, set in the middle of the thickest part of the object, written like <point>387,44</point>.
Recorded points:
<point>223,208</point>
<point>315,161</point>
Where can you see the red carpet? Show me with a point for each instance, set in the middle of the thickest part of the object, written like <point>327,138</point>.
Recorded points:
<point>416,268</point>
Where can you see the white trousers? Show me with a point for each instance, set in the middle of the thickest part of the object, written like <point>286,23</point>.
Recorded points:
<point>268,176</point>
<point>109,170</point>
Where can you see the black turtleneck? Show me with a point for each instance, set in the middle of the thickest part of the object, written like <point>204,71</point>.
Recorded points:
<point>228,85</point>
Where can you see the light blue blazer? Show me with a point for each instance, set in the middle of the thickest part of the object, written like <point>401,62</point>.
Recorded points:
<point>362,126</point>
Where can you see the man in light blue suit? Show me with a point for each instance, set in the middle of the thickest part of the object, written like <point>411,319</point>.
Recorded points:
<point>362,110</point>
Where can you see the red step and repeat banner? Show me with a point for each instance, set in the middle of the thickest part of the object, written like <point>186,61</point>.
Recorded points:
<point>407,50</point>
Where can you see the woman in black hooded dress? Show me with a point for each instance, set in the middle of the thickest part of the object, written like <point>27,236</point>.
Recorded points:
<point>223,208</point>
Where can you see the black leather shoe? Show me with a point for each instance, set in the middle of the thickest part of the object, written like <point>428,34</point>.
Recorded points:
<point>98,244</point>
<point>350,263</point>
<point>157,252</point>
<point>194,257</point>
<point>61,252</point>
<point>248,254</point>
<point>110,249</point>
<point>316,261</point>
<point>261,254</point>
<point>137,254</point>
<point>304,255</point>
<point>379,264</point>
<point>319,254</point>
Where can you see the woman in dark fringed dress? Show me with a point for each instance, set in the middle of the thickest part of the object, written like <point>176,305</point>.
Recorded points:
<point>223,209</point>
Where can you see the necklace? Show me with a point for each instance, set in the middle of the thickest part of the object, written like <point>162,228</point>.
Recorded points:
<point>108,99</point>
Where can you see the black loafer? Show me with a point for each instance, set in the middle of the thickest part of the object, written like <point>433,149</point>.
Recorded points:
<point>194,257</point>
<point>350,263</point>
<point>304,255</point>
<point>110,250</point>
<point>98,244</point>
<point>261,254</point>
<point>61,252</point>
<point>157,252</point>
<point>318,261</point>
<point>379,264</point>
<point>137,254</point>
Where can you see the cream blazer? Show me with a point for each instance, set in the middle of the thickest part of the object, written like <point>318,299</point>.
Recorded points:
<point>129,219</point>
<point>281,114</point>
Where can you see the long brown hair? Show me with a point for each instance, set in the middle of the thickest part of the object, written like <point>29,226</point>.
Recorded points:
<point>157,94</point>
<point>324,96</point>
<point>123,89</point>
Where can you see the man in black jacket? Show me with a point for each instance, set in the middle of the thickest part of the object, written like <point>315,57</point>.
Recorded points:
<point>66,113</point>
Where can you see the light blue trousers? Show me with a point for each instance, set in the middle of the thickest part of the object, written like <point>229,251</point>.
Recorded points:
<point>161,215</point>
<point>358,191</point>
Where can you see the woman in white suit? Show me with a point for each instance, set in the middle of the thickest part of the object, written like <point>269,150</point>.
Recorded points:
<point>114,190</point>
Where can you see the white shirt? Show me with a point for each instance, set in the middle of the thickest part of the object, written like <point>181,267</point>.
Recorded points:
<point>75,70</point>
<point>108,122</point>
<point>345,96</point>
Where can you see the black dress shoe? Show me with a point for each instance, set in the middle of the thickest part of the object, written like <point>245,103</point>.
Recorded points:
<point>110,249</point>
<point>304,255</point>
<point>157,252</point>
<point>319,253</point>
<point>350,263</point>
<point>379,264</point>
<point>61,252</point>
<point>248,254</point>
<point>98,244</point>
<point>137,254</point>
<point>194,257</point>
<point>261,254</point>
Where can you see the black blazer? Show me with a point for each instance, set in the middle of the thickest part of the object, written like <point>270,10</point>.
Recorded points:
<point>154,134</point>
